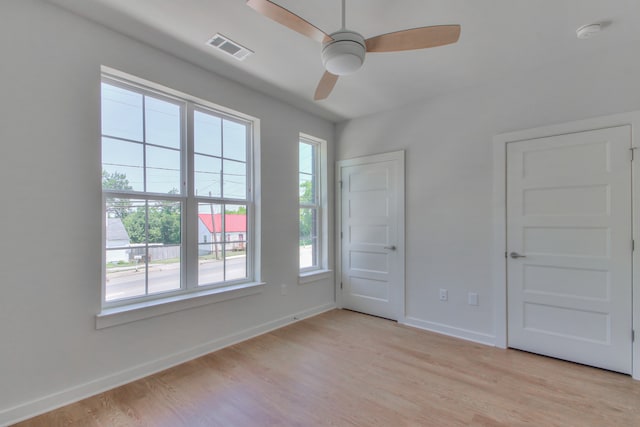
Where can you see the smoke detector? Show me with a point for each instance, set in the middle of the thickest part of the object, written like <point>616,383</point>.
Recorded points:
<point>588,31</point>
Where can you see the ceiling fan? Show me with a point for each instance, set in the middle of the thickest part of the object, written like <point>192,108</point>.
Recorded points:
<point>343,52</point>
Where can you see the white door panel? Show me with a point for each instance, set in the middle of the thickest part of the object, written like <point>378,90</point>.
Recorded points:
<point>372,252</point>
<point>569,215</point>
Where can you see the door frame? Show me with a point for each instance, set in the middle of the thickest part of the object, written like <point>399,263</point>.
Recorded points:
<point>397,156</point>
<point>499,261</point>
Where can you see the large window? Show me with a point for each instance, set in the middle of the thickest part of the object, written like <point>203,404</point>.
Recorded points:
<point>176,188</point>
<point>310,205</point>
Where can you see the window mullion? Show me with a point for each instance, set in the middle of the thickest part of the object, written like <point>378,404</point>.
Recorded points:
<point>146,247</point>
<point>191,214</point>
<point>222,195</point>
<point>223,237</point>
<point>144,145</point>
<point>146,203</point>
<point>319,232</point>
<point>317,197</point>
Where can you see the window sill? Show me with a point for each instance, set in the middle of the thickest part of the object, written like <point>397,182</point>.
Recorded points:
<point>314,276</point>
<point>130,313</point>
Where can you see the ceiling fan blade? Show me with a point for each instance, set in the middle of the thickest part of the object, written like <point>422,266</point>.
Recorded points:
<point>288,19</point>
<point>327,82</point>
<point>416,38</point>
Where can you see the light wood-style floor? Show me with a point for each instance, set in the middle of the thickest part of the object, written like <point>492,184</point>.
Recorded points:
<point>347,369</point>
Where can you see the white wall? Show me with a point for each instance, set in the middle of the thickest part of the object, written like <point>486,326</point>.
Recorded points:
<point>448,143</point>
<point>50,351</point>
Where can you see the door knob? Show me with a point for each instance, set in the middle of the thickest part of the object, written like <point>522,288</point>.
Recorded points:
<point>391,248</point>
<point>516,255</point>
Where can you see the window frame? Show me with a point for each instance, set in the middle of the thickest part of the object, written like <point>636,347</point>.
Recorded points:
<point>189,287</point>
<point>319,203</point>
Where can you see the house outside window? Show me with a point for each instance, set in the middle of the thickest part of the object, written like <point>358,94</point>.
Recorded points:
<point>176,184</point>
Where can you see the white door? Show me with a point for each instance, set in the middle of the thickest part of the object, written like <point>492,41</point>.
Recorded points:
<point>372,234</point>
<point>569,247</point>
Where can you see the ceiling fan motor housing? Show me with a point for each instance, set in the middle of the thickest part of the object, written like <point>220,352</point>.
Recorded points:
<point>344,54</point>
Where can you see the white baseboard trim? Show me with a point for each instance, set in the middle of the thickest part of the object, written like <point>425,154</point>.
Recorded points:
<point>451,331</point>
<point>73,394</point>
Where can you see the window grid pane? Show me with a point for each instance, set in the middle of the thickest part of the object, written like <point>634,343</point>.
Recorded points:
<point>163,170</point>
<point>122,165</point>
<point>210,249</point>
<point>143,245</point>
<point>222,243</point>
<point>162,123</point>
<point>122,115</point>
<point>308,238</point>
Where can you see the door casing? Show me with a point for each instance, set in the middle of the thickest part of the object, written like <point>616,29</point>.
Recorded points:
<point>400,245</point>
<point>499,260</point>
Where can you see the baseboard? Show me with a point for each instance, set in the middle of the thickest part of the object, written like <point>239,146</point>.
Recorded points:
<point>451,331</point>
<point>79,392</point>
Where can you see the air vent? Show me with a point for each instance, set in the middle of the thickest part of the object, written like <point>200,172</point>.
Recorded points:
<point>229,47</point>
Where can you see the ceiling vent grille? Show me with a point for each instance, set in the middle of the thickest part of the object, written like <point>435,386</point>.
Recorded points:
<point>229,47</point>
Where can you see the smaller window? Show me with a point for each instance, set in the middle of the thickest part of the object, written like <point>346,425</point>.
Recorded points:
<point>311,209</point>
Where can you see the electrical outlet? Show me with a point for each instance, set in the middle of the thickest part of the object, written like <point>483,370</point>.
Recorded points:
<point>283,289</point>
<point>444,295</point>
<point>473,298</point>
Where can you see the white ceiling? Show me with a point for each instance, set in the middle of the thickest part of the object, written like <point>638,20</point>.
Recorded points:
<point>499,38</point>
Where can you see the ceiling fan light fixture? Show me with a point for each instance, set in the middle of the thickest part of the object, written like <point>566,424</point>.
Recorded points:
<point>344,54</point>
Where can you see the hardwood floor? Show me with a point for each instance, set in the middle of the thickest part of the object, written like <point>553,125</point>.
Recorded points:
<point>347,369</point>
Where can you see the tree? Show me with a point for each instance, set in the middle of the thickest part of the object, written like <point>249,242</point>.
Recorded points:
<point>164,221</point>
<point>115,181</point>
<point>240,210</point>
<point>116,208</point>
<point>164,224</point>
<point>134,223</point>
<point>307,215</point>
<point>306,225</point>
<point>163,216</point>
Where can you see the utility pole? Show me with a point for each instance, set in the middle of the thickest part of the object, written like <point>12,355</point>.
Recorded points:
<point>213,226</point>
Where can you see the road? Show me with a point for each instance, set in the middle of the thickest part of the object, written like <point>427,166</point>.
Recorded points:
<point>166,277</point>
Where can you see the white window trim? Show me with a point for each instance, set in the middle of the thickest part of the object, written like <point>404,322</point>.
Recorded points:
<point>314,276</point>
<point>157,307</point>
<point>321,270</point>
<point>125,311</point>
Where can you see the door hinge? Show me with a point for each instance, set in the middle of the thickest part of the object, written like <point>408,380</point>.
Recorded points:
<point>505,255</point>
<point>633,335</point>
<point>340,285</point>
<point>341,181</point>
<point>341,234</point>
<point>633,245</point>
<point>633,153</point>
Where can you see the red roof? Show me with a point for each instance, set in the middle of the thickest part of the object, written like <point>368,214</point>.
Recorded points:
<point>234,223</point>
